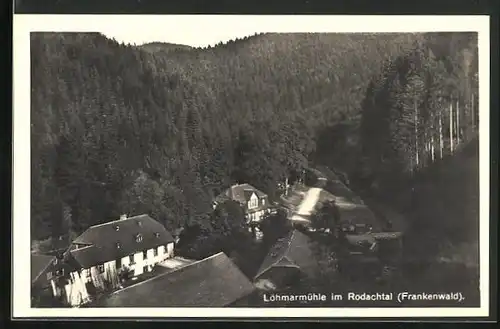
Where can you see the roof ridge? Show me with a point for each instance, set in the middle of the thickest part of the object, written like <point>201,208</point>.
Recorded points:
<point>45,267</point>
<point>292,234</point>
<point>86,247</point>
<point>170,272</point>
<point>118,220</point>
<point>290,237</point>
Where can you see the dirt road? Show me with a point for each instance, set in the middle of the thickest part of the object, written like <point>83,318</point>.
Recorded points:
<point>308,204</point>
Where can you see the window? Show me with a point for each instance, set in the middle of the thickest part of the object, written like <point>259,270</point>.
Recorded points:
<point>155,252</point>
<point>85,273</point>
<point>49,275</point>
<point>100,268</point>
<point>145,254</point>
<point>131,259</point>
<point>138,238</point>
<point>263,201</point>
<point>253,203</point>
<point>60,272</point>
<point>118,263</point>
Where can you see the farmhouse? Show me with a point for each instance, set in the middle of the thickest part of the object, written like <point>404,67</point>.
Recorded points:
<point>212,282</point>
<point>95,258</point>
<point>290,258</point>
<point>254,202</point>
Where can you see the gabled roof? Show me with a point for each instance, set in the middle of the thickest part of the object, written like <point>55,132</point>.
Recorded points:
<point>293,249</point>
<point>39,263</point>
<point>212,282</point>
<point>240,193</point>
<point>118,238</point>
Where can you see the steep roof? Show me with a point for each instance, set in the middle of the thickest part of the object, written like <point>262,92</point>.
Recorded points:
<point>212,282</point>
<point>39,263</point>
<point>240,193</point>
<point>118,239</point>
<point>291,250</point>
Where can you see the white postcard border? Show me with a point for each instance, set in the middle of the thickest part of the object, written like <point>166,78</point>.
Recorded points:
<point>190,25</point>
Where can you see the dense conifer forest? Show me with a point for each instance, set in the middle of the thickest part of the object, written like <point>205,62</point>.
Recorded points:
<point>161,128</point>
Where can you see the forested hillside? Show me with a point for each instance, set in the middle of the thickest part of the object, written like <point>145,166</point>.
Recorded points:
<point>160,129</point>
<point>420,108</point>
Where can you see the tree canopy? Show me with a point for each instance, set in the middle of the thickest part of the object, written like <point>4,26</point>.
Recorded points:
<point>162,129</point>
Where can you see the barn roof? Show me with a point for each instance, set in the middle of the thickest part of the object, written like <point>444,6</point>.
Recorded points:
<point>240,193</point>
<point>212,282</point>
<point>118,238</point>
<point>39,263</point>
<point>293,249</point>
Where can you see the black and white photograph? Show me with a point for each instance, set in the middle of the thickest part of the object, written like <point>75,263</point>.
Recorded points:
<point>324,165</point>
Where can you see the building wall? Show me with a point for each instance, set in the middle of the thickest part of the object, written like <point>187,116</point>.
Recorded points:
<point>108,267</point>
<point>161,253</point>
<point>139,261</point>
<point>137,265</point>
<point>125,261</point>
<point>256,216</point>
<point>170,250</point>
<point>85,275</point>
<point>150,257</point>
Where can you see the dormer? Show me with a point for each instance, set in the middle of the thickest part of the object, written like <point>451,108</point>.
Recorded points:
<point>79,245</point>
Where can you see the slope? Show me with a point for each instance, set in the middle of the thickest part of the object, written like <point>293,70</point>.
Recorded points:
<point>120,129</point>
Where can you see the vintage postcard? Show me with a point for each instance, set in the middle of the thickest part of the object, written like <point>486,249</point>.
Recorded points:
<point>176,166</point>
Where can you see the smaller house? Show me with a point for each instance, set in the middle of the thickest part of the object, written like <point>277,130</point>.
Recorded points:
<point>366,253</point>
<point>254,202</point>
<point>43,278</point>
<point>380,243</point>
<point>212,282</point>
<point>357,217</point>
<point>289,259</point>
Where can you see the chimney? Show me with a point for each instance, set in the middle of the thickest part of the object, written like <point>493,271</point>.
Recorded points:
<point>124,216</point>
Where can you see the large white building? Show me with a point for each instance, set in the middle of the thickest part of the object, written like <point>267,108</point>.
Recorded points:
<point>134,244</point>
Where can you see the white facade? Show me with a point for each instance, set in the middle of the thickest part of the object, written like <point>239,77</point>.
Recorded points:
<point>253,202</point>
<point>170,250</point>
<point>257,215</point>
<point>138,262</point>
<point>145,261</point>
